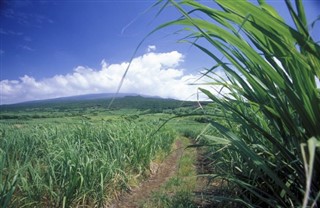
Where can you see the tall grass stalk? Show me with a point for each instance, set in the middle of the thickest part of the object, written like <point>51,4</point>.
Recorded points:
<point>272,104</point>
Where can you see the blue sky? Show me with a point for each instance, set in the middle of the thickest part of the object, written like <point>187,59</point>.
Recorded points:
<point>44,39</point>
<point>68,44</point>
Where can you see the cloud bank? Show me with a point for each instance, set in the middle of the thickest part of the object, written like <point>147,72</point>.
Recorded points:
<point>156,74</point>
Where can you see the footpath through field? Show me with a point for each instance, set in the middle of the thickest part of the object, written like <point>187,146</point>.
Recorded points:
<point>161,174</point>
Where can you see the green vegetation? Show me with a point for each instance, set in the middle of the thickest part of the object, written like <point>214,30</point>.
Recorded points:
<point>264,137</point>
<point>262,140</point>
<point>71,108</point>
<point>67,165</point>
<point>85,155</point>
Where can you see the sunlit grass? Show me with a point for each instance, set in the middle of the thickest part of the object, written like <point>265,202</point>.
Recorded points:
<point>75,164</point>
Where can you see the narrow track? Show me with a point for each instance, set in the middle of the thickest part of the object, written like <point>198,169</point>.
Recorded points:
<point>162,173</point>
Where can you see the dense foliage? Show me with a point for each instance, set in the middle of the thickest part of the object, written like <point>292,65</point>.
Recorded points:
<point>59,164</point>
<point>267,146</point>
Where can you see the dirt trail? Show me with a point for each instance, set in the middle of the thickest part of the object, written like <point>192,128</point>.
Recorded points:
<point>162,173</point>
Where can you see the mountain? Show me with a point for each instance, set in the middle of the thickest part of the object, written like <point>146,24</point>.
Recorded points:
<point>80,97</point>
<point>82,102</point>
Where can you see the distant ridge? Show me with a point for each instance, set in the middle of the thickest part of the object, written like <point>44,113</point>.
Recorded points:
<point>82,97</point>
<point>82,103</point>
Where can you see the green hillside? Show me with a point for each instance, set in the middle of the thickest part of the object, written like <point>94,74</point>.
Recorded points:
<point>75,107</point>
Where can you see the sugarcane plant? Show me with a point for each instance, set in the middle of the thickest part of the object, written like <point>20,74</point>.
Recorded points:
<point>266,149</point>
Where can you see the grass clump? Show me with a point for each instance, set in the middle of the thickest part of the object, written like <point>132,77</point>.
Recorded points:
<point>265,133</point>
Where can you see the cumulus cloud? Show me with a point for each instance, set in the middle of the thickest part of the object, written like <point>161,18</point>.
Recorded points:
<point>156,74</point>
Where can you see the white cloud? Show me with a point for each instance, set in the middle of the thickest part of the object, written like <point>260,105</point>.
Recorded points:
<point>151,48</point>
<point>156,74</point>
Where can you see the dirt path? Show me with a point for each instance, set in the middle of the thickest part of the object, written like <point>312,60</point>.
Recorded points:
<point>161,174</point>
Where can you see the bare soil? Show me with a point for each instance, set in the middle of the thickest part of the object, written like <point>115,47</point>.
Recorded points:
<point>160,173</point>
